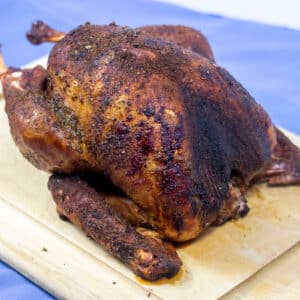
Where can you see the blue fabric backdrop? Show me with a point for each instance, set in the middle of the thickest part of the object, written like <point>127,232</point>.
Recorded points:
<point>265,59</point>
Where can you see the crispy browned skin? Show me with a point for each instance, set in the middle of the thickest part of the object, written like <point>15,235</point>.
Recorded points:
<point>147,256</point>
<point>184,36</point>
<point>173,130</point>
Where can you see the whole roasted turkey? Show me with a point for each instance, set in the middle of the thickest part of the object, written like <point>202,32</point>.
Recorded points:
<point>148,139</point>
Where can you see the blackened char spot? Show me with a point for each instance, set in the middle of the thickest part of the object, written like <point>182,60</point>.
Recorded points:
<point>129,118</point>
<point>179,132</point>
<point>138,135</point>
<point>95,214</point>
<point>122,129</point>
<point>148,111</point>
<point>141,123</point>
<point>166,140</point>
<point>125,252</point>
<point>244,211</point>
<point>205,73</point>
<point>157,118</point>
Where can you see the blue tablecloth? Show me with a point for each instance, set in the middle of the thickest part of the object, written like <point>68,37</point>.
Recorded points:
<point>265,59</point>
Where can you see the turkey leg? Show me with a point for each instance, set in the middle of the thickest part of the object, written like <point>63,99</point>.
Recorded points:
<point>148,256</point>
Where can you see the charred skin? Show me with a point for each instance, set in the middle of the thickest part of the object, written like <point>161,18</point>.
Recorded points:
<point>147,256</point>
<point>166,125</point>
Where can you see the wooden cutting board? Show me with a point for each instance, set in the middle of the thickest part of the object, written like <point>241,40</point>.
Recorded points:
<point>277,281</point>
<point>61,259</point>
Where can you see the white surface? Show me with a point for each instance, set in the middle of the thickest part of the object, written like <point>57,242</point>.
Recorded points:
<point>274,12</point>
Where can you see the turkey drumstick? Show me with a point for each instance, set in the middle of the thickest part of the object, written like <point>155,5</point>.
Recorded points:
<point>147,256</point>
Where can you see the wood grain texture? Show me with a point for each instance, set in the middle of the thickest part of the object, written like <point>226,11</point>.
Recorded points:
<point>278,280</point>
<point>74,267</point>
